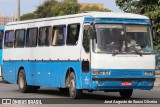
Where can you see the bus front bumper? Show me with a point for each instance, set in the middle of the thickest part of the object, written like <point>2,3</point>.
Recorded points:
<point>116,83</point>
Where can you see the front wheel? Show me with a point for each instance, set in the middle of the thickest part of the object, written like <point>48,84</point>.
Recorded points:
<point>73,91</point>
<point>126,93</point>
<point>22,83</point>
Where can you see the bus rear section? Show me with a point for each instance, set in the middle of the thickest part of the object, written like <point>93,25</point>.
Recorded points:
<point>1,41</point>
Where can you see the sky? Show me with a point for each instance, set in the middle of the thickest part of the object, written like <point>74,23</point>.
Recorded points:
<point>9,7</point>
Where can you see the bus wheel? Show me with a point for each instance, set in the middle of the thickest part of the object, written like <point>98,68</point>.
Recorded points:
<point>73,92</point>
<point>126,93</point>
<point>23,87</point>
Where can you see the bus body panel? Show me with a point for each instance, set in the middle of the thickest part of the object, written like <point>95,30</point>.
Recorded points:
<point>122,61</point>
<point>2,28</point>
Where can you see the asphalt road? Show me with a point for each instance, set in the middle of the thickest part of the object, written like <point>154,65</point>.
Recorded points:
<point>11,91</point>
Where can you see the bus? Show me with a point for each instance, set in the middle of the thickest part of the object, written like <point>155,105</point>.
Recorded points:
<point>92,51</point>
<point>1,41</point>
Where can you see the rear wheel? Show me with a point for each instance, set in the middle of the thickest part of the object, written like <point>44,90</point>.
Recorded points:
<point>73,91</point>
<point>126,93</point>
<point>22,83</point>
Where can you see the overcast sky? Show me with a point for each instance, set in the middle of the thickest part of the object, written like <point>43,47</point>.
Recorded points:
<point>9,7</point>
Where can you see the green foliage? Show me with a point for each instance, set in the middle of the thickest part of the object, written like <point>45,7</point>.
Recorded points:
<point>28,16</point>
<point>65,8</point>
<point>93,8</point>
<point>44,10</point>
<point>53,8</point>
<point>150,8</point>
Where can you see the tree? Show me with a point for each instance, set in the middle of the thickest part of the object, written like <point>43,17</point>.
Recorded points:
<point>150,8</point>
<point>53,8</point>
<point>28,16</point>
<point>44,10</point>
<point>65,8</point>
<point>93,8</point>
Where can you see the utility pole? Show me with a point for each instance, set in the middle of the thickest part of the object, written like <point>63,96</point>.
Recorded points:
<point>18,10</point>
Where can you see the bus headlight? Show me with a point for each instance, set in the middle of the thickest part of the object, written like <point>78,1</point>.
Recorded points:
<point>148,73</point>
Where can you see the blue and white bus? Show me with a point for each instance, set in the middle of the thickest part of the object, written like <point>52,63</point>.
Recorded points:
<point>1,41</point>
<point>94,51</point>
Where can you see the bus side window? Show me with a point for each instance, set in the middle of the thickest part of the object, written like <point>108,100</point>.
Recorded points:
<point>86,39</point>
<point>59,34</point>
<point>31,37</point>
<point>19,38</point>
<point>44,38</point>
<point>73,34</point>
<point>9,38</point>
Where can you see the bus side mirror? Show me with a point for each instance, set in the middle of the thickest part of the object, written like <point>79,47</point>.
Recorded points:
<point>154,33</point>
<point>91,34</point>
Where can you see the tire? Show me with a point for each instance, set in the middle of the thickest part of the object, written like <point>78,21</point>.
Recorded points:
<point>126,93</point>
<point>73,91</point>
<point>22,83</point>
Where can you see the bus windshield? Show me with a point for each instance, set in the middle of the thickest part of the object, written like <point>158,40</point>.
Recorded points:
<point>118,38</point>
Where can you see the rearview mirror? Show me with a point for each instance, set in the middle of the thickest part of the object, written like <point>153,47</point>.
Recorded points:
<point>154,33</point>
<point>91,34</point>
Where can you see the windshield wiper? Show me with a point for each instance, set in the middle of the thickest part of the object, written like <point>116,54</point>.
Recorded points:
<point>136,50</point>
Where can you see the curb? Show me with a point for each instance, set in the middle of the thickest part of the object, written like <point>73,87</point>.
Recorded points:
<point>156,84</point>
<point>157,76</point>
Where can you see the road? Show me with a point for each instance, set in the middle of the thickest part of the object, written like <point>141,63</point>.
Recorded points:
<point>11,91</point>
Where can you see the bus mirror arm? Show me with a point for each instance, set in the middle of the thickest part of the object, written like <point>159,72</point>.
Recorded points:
<point>92,34</point>
<point>154,33</point>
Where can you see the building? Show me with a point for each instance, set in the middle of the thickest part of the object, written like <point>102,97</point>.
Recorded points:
<point>6,19</point>
<point>91,4</point>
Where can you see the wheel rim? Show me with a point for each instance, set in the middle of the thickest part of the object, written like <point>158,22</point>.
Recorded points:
<point>21,82</point>
<point>72,87</point>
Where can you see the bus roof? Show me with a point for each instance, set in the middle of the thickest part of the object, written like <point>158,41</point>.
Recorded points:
<point>91,14</point>
<point>2,27</point>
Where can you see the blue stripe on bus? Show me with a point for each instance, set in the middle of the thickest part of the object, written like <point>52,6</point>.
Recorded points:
<point>2,27</point>
<point>117,20</point>
<point>52,74</point>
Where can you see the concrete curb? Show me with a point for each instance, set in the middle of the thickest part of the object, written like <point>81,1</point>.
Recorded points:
<point>156,84</point>
<point>157,76</point>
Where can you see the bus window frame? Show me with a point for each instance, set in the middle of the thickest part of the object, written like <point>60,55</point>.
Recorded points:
<point>78,34</point>
<point>39,36</point>
<point>24,37</point>
<point>63,25</point>
<point>5,38</point>
<point>36,37</point>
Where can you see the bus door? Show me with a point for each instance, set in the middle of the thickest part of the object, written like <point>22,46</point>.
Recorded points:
<point>85,58</point>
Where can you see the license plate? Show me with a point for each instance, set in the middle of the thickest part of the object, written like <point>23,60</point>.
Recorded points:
<point>126,83</point>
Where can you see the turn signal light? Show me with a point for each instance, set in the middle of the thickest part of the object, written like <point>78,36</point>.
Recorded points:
<point>95,72</point>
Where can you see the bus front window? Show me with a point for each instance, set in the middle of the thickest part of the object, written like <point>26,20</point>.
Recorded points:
<point>109,37</point>
<point>138,38</point>
<point>118,38</point>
